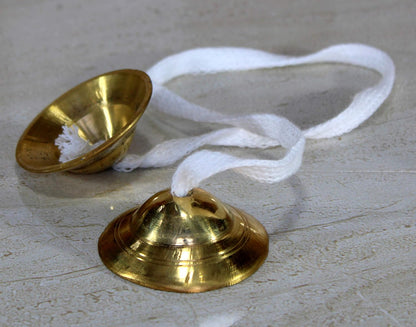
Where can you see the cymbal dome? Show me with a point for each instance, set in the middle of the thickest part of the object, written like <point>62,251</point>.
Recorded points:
<point>198,220</point>
<point>190,244</point>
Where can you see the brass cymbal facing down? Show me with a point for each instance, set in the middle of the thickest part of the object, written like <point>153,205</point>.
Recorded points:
<point>106,107</point>
<point>190,244</point>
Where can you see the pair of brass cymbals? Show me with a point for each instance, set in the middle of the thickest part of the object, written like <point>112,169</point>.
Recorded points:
<point>194,243</point>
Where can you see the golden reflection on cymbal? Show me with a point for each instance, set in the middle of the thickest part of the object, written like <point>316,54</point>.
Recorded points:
<point>190,244</point>
<point>106,107</point>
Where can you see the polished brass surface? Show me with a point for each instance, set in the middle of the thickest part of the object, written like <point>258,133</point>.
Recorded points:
<point>106,107</point>
<point>190,244</point>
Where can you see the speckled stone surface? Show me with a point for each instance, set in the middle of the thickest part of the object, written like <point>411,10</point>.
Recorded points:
<point>342,230</point>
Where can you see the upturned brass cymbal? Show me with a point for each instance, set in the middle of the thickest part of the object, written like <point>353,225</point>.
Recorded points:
<point>106,107</point>
<point>190,244</point>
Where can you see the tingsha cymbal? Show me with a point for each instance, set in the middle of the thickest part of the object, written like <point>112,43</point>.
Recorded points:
<point>105,108</point>
<point>190,244</point>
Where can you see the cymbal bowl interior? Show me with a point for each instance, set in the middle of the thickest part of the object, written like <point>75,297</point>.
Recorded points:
<point>106,107</point>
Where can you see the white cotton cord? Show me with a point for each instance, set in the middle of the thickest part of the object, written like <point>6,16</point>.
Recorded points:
<point>255,130</point>
<point>195,168</point>
<point>168,152</point>
<point>71,145</point>
<point>203,164</point>
<point>211,61</point>
<point>216,60</point>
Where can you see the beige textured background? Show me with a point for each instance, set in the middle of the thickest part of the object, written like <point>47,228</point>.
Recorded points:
<point>342,230</point>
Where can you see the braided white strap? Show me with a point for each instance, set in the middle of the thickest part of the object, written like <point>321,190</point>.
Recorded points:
<point>257,130</point>
<point>274,130</point>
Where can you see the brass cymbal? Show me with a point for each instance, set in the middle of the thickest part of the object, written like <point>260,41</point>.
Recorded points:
<point>190,244</point>
<point>106,107</point>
